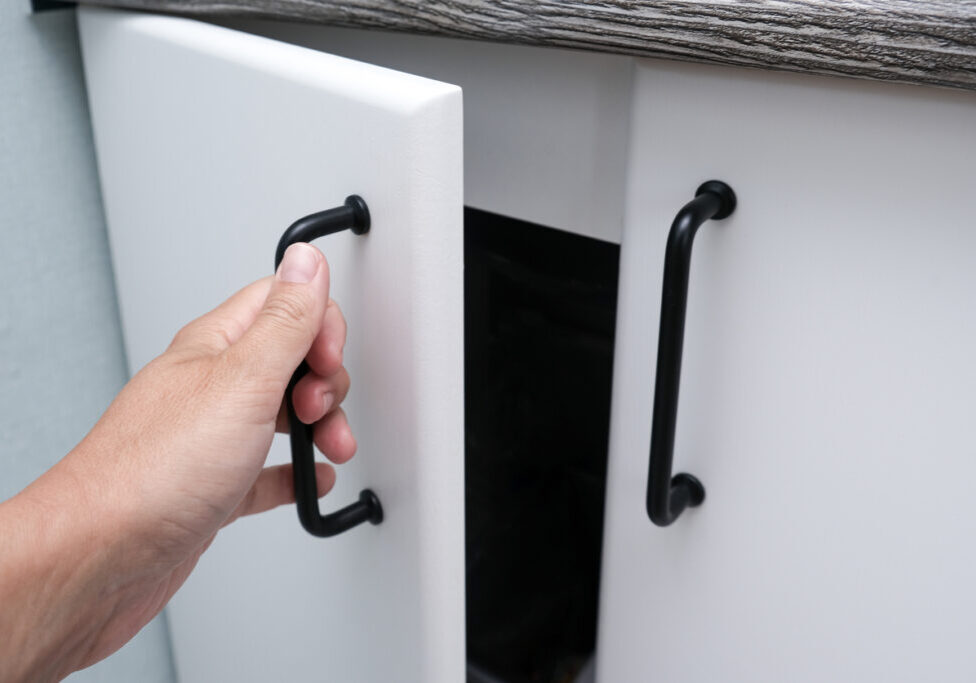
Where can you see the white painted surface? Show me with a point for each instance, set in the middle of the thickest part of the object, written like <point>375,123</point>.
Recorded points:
<point>545,130</point>
<point>828,389</point>
<point>210,142</point>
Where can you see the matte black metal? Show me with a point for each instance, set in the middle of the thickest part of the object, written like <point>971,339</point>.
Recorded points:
<point>668,496</point>
<point>353,215</point>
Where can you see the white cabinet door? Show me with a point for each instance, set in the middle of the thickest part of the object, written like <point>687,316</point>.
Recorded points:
<point>828,393</point>
<point>210,142</point>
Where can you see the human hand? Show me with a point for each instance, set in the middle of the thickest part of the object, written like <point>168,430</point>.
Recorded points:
<point>95,548</point>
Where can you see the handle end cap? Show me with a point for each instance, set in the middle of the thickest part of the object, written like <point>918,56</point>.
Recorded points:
<point>368,498</point>
<point>360,224</point>
<point>689,482</point>
<point>723,192</point>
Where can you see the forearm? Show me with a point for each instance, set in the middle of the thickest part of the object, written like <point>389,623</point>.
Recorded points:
<point>57,587</point>
<point>93,550</point>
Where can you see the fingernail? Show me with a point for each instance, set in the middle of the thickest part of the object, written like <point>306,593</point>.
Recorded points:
<point>299,264</point>
<point>328,399</point>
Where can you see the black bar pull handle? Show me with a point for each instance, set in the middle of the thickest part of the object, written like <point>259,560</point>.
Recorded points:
<point>353,215</point>
<point>668,496</point>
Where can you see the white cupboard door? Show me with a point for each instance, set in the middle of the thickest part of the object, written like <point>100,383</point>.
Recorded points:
<point>210,143</point>
<point>828,386</point>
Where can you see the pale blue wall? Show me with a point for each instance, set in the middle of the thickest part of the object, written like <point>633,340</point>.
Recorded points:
<point>61,358</point>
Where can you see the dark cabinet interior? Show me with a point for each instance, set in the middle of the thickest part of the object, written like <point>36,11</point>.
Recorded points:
<point>539,324</point>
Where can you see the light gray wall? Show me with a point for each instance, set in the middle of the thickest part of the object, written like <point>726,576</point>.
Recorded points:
<point>61,358</point>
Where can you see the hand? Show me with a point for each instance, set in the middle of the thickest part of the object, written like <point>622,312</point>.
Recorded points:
<point>95,548</point>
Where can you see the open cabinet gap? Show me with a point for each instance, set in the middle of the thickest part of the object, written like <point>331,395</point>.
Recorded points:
<point>540,306</point>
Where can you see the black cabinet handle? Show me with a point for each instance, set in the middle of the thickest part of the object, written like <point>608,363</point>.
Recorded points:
<point>353,215</point>
<point>668,496</point>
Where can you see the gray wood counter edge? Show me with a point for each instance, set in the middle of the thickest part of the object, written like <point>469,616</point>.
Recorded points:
<point>924,41</point>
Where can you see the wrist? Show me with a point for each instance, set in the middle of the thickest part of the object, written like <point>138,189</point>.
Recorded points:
<point>57,584</point>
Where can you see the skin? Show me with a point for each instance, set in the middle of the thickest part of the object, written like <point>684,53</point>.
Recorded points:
<point>95,548</point>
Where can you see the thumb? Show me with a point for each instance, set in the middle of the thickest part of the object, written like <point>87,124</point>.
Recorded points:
<point>291,317</point>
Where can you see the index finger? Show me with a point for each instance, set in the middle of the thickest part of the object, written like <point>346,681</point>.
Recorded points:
<point>225,324</point>
<point>325,356</point>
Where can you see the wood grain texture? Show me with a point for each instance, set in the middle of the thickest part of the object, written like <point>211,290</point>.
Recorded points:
<point>926,41</point>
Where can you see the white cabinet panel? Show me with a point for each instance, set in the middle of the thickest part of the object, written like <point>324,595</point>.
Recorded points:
<point>828,388</point>
<point>210,142</point>
<point>545,130</point>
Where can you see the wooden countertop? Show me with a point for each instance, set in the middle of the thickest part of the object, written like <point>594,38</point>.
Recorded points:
<point>924,41</point>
